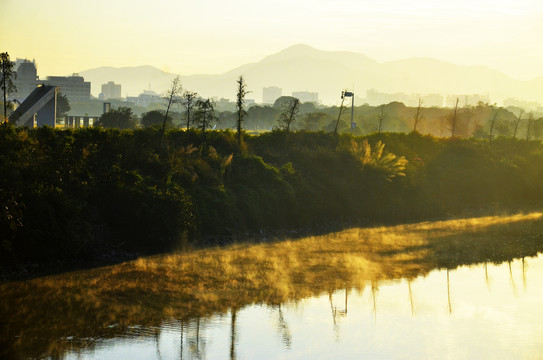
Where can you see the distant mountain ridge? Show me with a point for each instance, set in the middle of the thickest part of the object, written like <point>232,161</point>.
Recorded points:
<point>304,68</point>
<point>133,79</point>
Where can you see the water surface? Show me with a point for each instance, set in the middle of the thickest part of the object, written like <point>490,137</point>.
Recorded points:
<point>461,289</point>
<point>482,312</point>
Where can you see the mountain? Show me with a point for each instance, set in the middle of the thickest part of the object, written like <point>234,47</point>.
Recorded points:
<point>133,79</point>
<point>304,68</point>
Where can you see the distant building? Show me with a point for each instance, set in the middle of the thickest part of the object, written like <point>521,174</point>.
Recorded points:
<point>376,98</point>
<point>145,99</point>
<point>432,100</point>
<point>223,104</point>
<point>74,87</point>
<point>39,108</point>
<point>20,61</point>
<point>27,78</point>
<point>306,96</point>
<point>110,91</point>
<point>465,100</point>
<point>527,105</point>
<point>270,94</point>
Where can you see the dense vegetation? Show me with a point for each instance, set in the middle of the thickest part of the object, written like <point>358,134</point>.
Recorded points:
<point>73,194</point>
<point>480,120</point>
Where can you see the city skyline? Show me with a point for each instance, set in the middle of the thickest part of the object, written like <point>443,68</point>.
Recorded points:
<point>214,37</point>
<point>27,78</point>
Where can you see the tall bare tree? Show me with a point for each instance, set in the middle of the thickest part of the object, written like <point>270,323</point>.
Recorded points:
<point>517,122</point>
<point>490,135</point>
<point>530,124</point>
<point>468,113</point>
<point>382,116</point>
<point>240,105</point>
<point>289,113</point>
<point>6,84</point>
<point>454,117</point>
<point>205,114</point>
<point>418,115</point>
<point>188,100</point>
<point>341,111</point>
<point>171,96</point>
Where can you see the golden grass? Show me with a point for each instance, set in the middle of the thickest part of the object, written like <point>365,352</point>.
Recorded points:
<point>202,282</point>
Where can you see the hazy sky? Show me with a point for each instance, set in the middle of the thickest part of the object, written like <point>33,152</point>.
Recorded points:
<point>212,36</point>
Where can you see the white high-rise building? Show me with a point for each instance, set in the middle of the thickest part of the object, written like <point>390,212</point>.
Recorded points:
<point>306,96</point>
<point>111,90</point>
<point>26,80</point>
<point>74,87</point>
<point>270,94</point>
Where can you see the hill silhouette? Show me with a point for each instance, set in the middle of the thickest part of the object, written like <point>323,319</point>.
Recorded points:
<point>304,68</point>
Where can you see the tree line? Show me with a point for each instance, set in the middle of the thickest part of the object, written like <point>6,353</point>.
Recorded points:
<point>482,121</point>
<point>79,193</point>
<point>288,113</point>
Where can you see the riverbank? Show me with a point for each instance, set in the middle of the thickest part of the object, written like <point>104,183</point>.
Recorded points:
<point>114,256</point>
<point>76,195</point>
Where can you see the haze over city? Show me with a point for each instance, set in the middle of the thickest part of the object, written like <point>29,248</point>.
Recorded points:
<point>271,179</point>
<point>213,37</point>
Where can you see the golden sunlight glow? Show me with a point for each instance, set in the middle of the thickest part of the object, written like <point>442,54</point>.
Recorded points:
<point>203,282</point>
<point>69,36</point>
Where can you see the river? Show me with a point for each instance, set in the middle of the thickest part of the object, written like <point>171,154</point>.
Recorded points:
<point>418,306</point>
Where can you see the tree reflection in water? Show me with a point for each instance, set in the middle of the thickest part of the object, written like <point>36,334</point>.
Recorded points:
<point>283,328</point>
<point>75,311</point>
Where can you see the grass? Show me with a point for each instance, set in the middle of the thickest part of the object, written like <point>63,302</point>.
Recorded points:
<point>202,282</point>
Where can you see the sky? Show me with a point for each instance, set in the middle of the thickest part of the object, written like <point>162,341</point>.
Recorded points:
<point>214,36</point>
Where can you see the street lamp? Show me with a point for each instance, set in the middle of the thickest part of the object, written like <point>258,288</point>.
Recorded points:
<point>350,94</point>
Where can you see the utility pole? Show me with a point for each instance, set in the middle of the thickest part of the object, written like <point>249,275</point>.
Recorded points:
<point>350,94</point>
<point>341,108</point>
<point>454,122</point>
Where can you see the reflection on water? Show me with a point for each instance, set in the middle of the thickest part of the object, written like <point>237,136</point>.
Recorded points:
<point>468,289</point>
<point>452,314</point>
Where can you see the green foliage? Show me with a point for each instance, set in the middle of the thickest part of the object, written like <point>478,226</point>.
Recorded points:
<point>204,116</point>
<point>120,118</point>
<point>70,194</point>
<point>240,106</point>
<point>63,106</point>
<point>282,102</point>
<point>262,196</point>
<point>261,117</point>
<point>289,113</point>
<point>172,96</point>
<point>388,163</point>
<point>148,217</point>
<point>6,82</point>
<point>154,118</point>
<point>188,101</point>
<point>315,121</point>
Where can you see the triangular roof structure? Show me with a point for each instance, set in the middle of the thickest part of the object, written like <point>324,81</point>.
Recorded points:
<point>40,105</point>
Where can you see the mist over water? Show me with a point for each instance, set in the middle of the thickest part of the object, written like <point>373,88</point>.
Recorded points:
<point>482,311</point>
<point>468,288</point>
<point>380,195</point>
